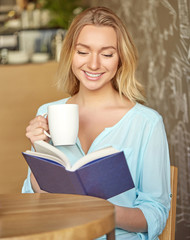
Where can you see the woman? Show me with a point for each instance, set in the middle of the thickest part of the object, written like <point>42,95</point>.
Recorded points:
<point>97,68</point>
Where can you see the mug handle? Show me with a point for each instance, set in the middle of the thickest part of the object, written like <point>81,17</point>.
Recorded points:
<point>46,133</point>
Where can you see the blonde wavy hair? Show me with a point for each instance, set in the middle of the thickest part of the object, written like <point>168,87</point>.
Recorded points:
<point>124,81</point>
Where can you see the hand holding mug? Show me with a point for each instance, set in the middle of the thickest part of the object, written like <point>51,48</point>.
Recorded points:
<point>35,129</point>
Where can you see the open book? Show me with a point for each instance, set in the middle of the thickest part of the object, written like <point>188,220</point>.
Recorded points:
<point>103,173</point>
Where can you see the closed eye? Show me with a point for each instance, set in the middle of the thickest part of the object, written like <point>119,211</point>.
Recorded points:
<point>82,53</point>
<point>107,55</point>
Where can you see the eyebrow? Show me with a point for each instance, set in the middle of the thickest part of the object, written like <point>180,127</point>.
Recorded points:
<point>103,48</point>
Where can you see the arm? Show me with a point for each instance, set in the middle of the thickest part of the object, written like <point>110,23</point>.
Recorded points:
<point>34,132</point>
<point>130,219</point>
<point>153,192</point>
<point>148,203</point>
<point>35,185</point>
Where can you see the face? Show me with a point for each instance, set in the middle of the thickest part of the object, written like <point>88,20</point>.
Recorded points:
<point>95,59</point>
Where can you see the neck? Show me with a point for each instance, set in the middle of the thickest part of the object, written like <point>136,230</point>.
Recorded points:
<point>95,99</point>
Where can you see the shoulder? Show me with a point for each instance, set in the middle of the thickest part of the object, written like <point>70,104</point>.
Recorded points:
<point>43,109</point>
<point>145,118</point>
<point>147,121</point>
<point>147,113</point>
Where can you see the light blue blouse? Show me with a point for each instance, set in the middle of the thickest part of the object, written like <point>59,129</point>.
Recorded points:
<point>141,135</point>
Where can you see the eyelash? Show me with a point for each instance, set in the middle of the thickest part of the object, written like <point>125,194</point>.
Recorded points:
<point>82,53</point>
<point>107,55</point>
<point>85,53</point>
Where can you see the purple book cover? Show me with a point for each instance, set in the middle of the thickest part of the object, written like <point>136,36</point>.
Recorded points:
<point>105,177</point>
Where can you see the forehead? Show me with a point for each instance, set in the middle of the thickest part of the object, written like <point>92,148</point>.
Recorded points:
<point>97,35</point>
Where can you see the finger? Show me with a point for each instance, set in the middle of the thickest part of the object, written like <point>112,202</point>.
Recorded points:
<point>35,133</point>
<point>34,138</point>
<point>38,119</point>
<point>36,125</point>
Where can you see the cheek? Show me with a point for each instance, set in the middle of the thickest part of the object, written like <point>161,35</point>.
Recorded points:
<point>114,66</point>
<point>75,65</point>
<point>74,62</point>
<point>77,61</point>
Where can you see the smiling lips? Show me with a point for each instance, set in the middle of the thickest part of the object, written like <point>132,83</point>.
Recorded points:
<point>93,76</point>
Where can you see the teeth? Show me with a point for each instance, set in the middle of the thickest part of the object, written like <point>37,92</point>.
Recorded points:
<point>92,75</point>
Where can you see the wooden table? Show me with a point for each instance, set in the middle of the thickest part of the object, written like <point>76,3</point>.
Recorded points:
<point>55,216</point>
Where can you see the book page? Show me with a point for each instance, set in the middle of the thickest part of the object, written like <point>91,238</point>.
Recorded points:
<point>46,148</point>
<point>46,156</point>
<point>93,156</point>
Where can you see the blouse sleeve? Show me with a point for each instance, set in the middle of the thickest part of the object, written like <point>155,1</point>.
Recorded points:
<point>153,194</point>
<point>27,187</point>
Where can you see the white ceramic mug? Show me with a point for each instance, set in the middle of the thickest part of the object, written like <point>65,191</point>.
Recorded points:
<point>63,121</point>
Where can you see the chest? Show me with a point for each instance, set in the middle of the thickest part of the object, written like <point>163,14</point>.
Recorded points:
<point>93,123</point>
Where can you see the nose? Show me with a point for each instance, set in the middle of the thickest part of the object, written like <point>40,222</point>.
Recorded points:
<point>93,62</point>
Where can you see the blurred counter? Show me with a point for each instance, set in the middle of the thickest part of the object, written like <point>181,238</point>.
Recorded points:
<point>23,89</point>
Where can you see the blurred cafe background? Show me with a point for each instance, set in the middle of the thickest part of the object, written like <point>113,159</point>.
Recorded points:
<point>31,35</point>
<point>32,31</point>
